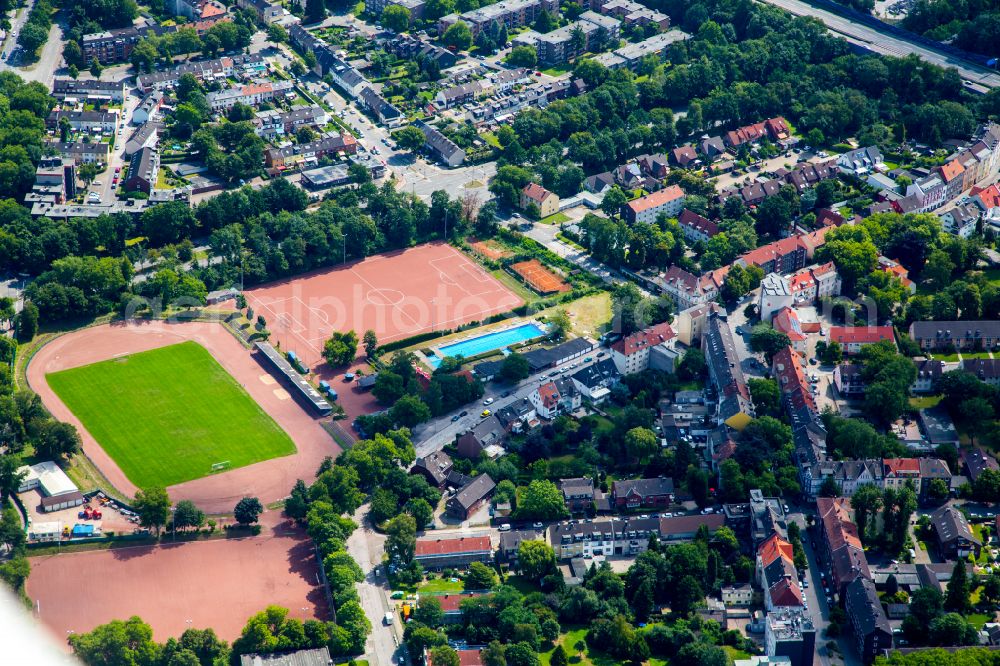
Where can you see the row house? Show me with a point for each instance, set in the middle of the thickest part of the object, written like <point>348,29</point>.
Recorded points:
<point>786,320</point>
<point>111,92</point>
<point>871,629</point>
<point>386,112</point>
<point>633,353</point>
<point>735,406</point>
<point>929,192</point>
<point>624,536</point>
<point>774,128</point>
<point>252,94</point>
<point>696,228</point>
<point>443,148</point>
<point>510,13</point>
<point>849,475</point>
<point>952,174</point>
<point>815,282</point>
<point>415,7</point>
<point>669,201</point>
<point>595,381</point>
<point>632,54</point>
<point>297,154</point>
<point>786,367</point>
<point>854,338</point>
<point>897,472</point>
<point>960,335</point>
<point>273,123</point>
<point>537,96</point>
<point>808,174</point>
<point>86,121</point>
<point>203,70</point>
<point>92,152</point>
<point>776,574</point>
<point>986,369</point>
<point>462,93</point>
<point>266,12</point>
<point>802,176</point>
<point>657,493</point>
<point>841,548</point>
<point>449,552</point>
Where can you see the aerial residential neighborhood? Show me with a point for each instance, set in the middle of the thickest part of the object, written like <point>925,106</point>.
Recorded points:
<point>517,333</point>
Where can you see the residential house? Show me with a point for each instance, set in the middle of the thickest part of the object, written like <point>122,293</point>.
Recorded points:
<point>872,633</point>
<point>986,369</point>
<point>469,498</point>
<point>849,475</point>
<point>600,183</point>
<point>929,372</point>
<point>145,136</point>
<point>848,380</point>
<point>294,155</point>
<point>853,338</point>
<point>441,146</point>
<point>435,467</point>
<point>642,493</point>
<point>142,171</point>
<point>841,545</point>
<point>813,282</point>
<point>453,551</point>
<point>775,294</point>
<point>487,433</point>
<point>110,92</point>
<point>960,335</point>
<point>633,353</point>
<point>381,108</point>
<point>266,12</point>
<point>960,219</point>
<point>690,322</point>
<point>555,397</point>
<point>930,193</point>
<point>790,632</point>
<point>892,267</point>
<point>861,161</point>
<point>273,123</point>
<point>955,538</point>
<point>83,153</point>
<point>932,469</point>
<point>578,494</point>
<point>737,595</point>
<point>251,94</point>
<point>735,407</point>
<point>518,416</point>
<point>617,536</point>
<point>669,201</point>
<point>87,121</point>
<point>595,381</point>
<point>976,460</point>
<point>147,108</point>
<point>897,472</point>
<point>218,69</point>
<point>510,543</point>
<point>546,202</point>
<point>654,166</point>
<point>952,173</point>
<point>510,13</point>
<point>684,155</point>
<point>783,256</point>
<point>786,367</point>
<point>696,227</point>
<point>688,290</point>
<point>776,574</point>
<point>712,147</point>
<point>786,321</point>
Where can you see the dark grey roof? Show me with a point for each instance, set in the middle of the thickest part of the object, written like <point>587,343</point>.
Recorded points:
<point>318,657</point>
<point>378,104</point>
<point>644,487</point>
<point>487,368</point>
<point>479,488</point>
<point>543,358</point>
<point>951,524</point>
<point>515,411</point>
<point>984,368</point>
<point>437,464</point>
<point>437,141</point>
<point>864,606</point>
<point>304,388</point>
<point>953,330</point>
<point>597,374</point>
<point>724,365</point>
<point>511,540</point>
<point>938,425</point>
<point>583,486</point>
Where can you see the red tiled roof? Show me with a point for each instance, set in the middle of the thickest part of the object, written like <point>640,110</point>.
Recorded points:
<point>452,546</point>
<point>787,322</point>
<point>684,154</point>
<point>860,334</point>
<point>536,192</point>
<point>904,465</point>
<point>644,339</point>
<point>691,219</point>
<point>466,657</point>
<point>771,251</point>
<point>666,195</point>
<point>951,170</point>
<point>549,394</point>
<point>990,196</point>
<point>774,548</point>
<point>450,603</point>
<point>210,9</point>
<point>778,127</point>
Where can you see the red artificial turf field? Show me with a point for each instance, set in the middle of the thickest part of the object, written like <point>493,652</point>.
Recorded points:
<point>217,584</point>
<point>397,294</point>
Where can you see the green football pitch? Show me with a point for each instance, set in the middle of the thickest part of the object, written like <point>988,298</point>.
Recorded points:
<point>167,415</point>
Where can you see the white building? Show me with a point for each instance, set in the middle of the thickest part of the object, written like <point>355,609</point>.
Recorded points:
<point>775,294</point>
<point>668,201</point>
<point>58,491</point>
<point>631,353</point>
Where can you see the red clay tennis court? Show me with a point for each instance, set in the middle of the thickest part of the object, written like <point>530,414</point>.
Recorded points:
<point>538,277</point>
<point>397,294</point>
<point>199,584</point>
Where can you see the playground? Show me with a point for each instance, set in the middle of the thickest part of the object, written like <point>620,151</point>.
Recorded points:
<point>216,491</point>
<point>398,295</point>
<point>217,583</point>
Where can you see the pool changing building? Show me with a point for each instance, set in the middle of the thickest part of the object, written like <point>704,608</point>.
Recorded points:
<point>58,492</point>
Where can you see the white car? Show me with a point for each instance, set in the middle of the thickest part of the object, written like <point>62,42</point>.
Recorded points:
<point>488,401</point>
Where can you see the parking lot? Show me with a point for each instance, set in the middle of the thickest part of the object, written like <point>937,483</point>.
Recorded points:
<point>111,520</point>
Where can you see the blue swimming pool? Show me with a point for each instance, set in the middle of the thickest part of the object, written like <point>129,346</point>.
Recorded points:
<point>491,341</point>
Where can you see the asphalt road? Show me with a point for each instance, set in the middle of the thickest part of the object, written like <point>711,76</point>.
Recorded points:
<point>435,434</point>
<point>365,546</point>
<point>889,44</point>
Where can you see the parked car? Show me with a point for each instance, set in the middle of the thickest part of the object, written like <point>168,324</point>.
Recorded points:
<point>488,401</point>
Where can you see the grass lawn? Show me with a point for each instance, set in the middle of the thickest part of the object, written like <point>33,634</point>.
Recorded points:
<point>574,642</point>
<point>167,415</point>
<point>441,586</point>
<point>735,654</point>
<point>555,218</point>
<point>589,316</point>
<point>515,285</point>
<point>948,358</point>
<point>925,402</point>
<point>977,620</point>
<point>522,585</point>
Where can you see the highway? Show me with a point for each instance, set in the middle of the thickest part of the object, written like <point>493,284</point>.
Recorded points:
<point>879,42</point>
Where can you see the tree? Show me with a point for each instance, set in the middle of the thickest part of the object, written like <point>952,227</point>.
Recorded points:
<point>522,56</point>
<point>315,11</point>
<point>536,559</point>
<point>541,500</point>
<point>186,514</point>
<point>341,348</point>
<point>957,593</point>
<point>410,411</point>
<point>10,476</point>
<point>613,202</point>
<point>396,18</point>
<point>866,501</point>
<point>429,612</point>
<point>26,322</point>
<point>56,440</point>
<point>545,22</point>
<point>401,539</point>
<point>247,510</point>
<point>641,443</point>
<point>457,37</point>
<point>444,655</point>
<point>370,339</point>
<point>480,577</point>
<point>515,368</point>
<point>117,642</point>
<point>409,138</point>
<point>765,339</point>
<point>558,657</point>
<point>153,506</point>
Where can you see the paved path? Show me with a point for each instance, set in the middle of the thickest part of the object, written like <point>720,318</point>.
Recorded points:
<point>366,546</point>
